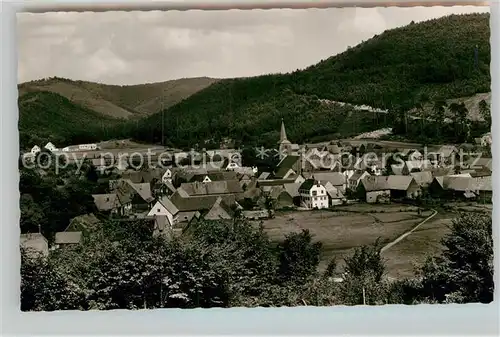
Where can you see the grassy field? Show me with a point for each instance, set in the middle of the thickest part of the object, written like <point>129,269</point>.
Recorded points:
<point>353,226</point>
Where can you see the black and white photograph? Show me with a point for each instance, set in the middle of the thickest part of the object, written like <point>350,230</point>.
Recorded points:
<point>255,158</point>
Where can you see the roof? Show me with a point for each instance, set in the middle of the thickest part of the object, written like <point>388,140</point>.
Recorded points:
<point>169,185</point>
<point>333,192</point>
<point>422,178</point>
<point>27,238</point>
<point>441,171</point>
<point>285,165</point>
<point>399,183</point>
<point>215,176</point>
<point>447,150</point>
<point>375,183</point>
<point>274,182</point>
<point>169,205</point>
<point>336,178</point>
<point>264,175</point>
<point>357,175</point>
<point>85,221</point>
<point>307,184</point>
<point>144,191</point>
<point>199,203</point>
<point>252,193</point>
<point>106,202</point>
<point>276,191</point>
<point>292,189</point>
<point>481,163</point>
<point>214,187</point>
<point>68,237</point>
<point>468,183</point>
<point>217,208</point>
<point>418,164</point>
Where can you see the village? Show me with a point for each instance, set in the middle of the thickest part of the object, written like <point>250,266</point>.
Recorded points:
<point>182,188</point>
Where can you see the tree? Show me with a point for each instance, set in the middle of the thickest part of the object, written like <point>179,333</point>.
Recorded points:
<point>299,257</point>
<point>363,274</point>
<point>46,288</point>
<point>484,110</point>
<point>464,272</point>
<point>439,109</point>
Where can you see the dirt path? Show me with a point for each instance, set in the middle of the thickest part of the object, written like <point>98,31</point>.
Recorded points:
<point>390,244</point>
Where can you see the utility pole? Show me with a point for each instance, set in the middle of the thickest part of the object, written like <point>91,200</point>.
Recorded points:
<point>364,296</point>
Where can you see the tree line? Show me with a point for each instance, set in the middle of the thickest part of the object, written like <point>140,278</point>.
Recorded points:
<point>229,264</point>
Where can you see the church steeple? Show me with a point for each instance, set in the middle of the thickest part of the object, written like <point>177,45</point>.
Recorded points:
<point>283,132</point>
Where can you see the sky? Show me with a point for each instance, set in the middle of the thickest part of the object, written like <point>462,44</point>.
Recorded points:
<point>144,47</point>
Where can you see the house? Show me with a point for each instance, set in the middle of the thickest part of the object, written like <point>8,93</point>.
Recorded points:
<point>375,189</point>
<point>83,223</point>
<point>480,163</point>
<point>403,187</point>
<point>289,165</point>
<point>337,179</point>
<point>315,160</point>
<point>215,176</point>
<point>467,187</point>
<point>446,152</point>
<point>484,141</point>
<point>35,150</point>
<point>256,215</point>
<point>34,244</point>
<point>67,239</point>
<point>232,166</point>
<point>188,206</point>
<point>51,147</point>
<point>423,179</point>
<point>282,198</point>
<point>164,208</point>
<point>167,176</point>
<point>335,196</point>
<point>293,191</point>
<point>415,155</point>
<point>84,147</point>
<point>297,179</point>
<point>107,202</point>
<point>353,181</point>
<point>274,182</point>
<point>417,166</point>
<point>143,197</point>
<point>220,211</point>
<point>213,188</point>
<point>370,163</point>
<point>313,194</point>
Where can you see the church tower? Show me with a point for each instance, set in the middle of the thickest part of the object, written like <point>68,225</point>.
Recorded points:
<point>285,145</point>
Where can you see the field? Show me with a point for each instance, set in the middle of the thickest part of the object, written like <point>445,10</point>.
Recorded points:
<point>402,258</point>
<point>352,226</point>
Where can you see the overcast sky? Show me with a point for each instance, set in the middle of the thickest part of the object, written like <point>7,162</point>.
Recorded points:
<point>141,47</point>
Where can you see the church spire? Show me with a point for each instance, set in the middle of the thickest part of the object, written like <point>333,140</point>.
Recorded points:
<point>283,132</point>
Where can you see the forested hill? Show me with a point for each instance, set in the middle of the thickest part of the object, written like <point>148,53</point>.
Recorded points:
<point>433,59</point>
<point>46,116</point>
<point>120,101</point>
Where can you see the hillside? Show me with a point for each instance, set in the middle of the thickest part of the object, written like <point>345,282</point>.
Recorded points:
<point>433,59</point>
<point>120,101</point>
<point>47,116</point>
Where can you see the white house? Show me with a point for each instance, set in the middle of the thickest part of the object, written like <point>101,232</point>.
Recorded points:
<point>167,176</point>
<point>232,166</point>
<point>51,147</point>
<point>35,150</point>
<point>87,147</point>
<point>65,149</point>
<point>164,208</point>
<point>313,194</point>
